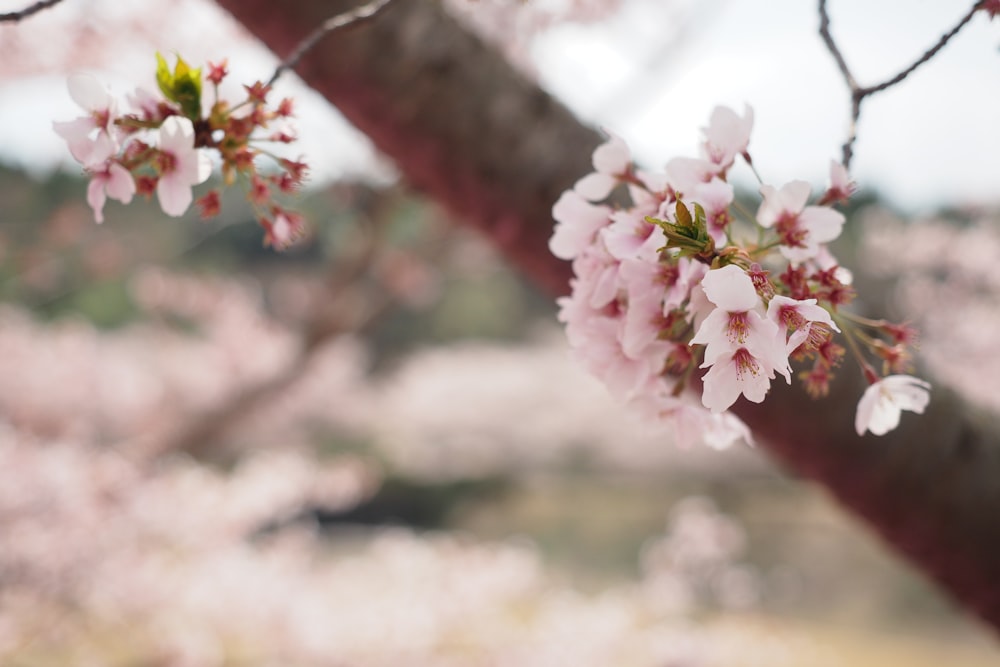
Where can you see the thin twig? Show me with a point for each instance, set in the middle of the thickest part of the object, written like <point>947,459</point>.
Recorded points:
<point>349,18</point>
<point>28,11</point>
<point>930,53</point>
<point>859,92</point>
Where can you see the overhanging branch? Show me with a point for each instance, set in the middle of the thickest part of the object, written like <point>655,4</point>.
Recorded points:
<point>469,131</point>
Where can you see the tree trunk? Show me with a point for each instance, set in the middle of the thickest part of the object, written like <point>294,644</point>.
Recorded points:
<point>464,127</point>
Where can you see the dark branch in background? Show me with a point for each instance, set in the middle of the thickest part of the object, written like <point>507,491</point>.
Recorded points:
<point>28,11</point>
<point>349,18</point>
<point>859,92</point>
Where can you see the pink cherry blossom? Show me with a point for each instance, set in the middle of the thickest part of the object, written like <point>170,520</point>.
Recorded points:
<point>727,136</point>
<point>798,317</point>
<point>685,173</point>
<point>611,162</point>
<point>631,236</point>
<point>182,165</point>
<point>578,222</point>
<point>742,347</point>
<point>110,180</point>
<point>715,198</point>
<point>841,186</point>
<point>595,339</point>
<point>597,276</point>
<point>735,321</point>
<point>689,422</point>
<point>734,373</point>
<point>101,107</point>
<point>644,320</point>
<point>881,406</point>
<point>800,228</point>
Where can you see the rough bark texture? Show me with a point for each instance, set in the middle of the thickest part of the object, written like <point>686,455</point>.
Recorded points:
<point>467,130</point>
<point>459,124</point>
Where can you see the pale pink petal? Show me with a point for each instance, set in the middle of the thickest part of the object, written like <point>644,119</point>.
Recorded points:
<point>74,130</point>
<point>760,338</point>
<point>690,273</point>
<point>881,406</point>
<point>631,237</point>
<point>684,173</point>
<point>726,429</point>
<point>789,200</point>
<point>807,308</point>
<point>824,223</point>
<point>96,197</point>
<point>654,181</point>
<point>612,157</point>
<point>595,186</point>
<point>715,198</point>
<point>99,151</point>
<point>794,195</point>
<point>77,135</point>
<point>144,102</point>
<point>643,320</point>
<point>175,196</point>
<point>699,307</point>
<point>721,387</point>
<point>605,285</point>
<point>730,288</point>
<point>713,335</point>
<point>120,185</point>
<point>204,169</point>
<point>771,351</point>
<point>727,135</point>
<point>177,135</point>
<point>88,92</point>
<point>841,186</point>
<point>578,222</point>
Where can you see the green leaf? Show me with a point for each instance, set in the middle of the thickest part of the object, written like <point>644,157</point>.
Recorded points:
<point>683,215</point>
<point>163,78</point>
<point>183,86</point>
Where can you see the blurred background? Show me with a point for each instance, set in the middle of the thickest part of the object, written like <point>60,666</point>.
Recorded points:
<point>373,449</point>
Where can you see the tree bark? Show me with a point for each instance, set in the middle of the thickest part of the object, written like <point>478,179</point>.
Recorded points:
<point>465,128</point>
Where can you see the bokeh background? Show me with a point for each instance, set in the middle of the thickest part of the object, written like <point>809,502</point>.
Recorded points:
<point>373,449</point>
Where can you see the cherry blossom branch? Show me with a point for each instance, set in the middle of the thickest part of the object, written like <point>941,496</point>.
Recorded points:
<point>859,92</point>
<point>20,15</point>
<point>353,17</point>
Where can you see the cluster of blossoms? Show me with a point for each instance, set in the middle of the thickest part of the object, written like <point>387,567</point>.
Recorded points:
<point>684,278</point>
<point>161,143</point>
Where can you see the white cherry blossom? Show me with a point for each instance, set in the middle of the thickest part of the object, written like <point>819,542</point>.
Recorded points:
<point>101,110</point>
<point>577,223</point>
<point>798,317</point>
<point>882,404</point>
<point>801,228</point>
<point>727,136</point>
<point>183,165</point>
<point>611,161</point>
<point>742,348</point>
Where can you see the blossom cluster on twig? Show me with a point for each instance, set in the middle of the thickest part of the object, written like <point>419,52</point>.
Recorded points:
<point>161,143</point>
<point>685,278</point>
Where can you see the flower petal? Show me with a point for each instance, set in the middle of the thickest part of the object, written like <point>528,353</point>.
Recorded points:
<point>730,288</point>
<point>88,92</point>
<point>612,157</point>
<point>175,196</point>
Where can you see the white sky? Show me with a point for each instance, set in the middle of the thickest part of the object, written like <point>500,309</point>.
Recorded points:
<point>933,139</point>
<point>654,72</point>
